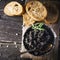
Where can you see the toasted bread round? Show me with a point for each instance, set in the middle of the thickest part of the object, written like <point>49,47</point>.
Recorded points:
<point>53,13</point>
<point>13,8</point>
<point>36,10</point>
<point>27,20</point>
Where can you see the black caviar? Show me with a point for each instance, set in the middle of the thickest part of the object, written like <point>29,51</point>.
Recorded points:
<point>40,40</point>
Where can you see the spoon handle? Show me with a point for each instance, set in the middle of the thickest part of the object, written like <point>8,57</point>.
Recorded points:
<point>27,51</point>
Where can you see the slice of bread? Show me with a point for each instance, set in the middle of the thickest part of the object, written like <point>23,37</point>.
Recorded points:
<point>13,8</point>
<point>36,10</point>
<point>53,13</point>
<point>27,20</point>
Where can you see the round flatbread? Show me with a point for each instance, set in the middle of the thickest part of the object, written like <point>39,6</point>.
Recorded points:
<point>36,10</point>
<point>53,13</point>
<point>27,20</point>
<point>13,8</point>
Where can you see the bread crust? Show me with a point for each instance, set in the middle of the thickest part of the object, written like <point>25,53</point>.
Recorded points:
<point>53,13</point>
<point>27,20</point>
<point>36,10</point>
<point>13,8</point>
